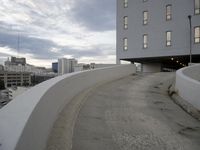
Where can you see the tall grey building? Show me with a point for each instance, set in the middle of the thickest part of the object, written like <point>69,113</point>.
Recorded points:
<point>157,32</point>
<point>66,65</point>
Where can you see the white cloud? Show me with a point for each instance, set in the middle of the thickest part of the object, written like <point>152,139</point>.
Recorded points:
<point>54,21</point>
<point>54,50</point>
<point>29,57</point>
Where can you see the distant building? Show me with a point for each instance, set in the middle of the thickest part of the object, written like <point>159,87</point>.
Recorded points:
<point>15,78</point>
<point>95,66</point>
<point>66,65</point>
<point>55,67</point>
<point>86,67</point>
<point>73,63</point>
<point>1,67</point>
<point>38,78</point>
<point>19,65</point>
<point>17,61</point>
<point>25,68</point>
<point>78,67</point>
<point>81,67</point>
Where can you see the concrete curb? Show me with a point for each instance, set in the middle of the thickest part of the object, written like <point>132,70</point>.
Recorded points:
<point>187,107</point>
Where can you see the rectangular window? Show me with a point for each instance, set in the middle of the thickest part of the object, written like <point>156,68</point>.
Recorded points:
<point>145,41</point>
<point>169,12</point>
<point>125,44</point>
<point>125,22</point>
<point>125,3</point>
<point>197,7</point>
<point>168,38</point>
<point>145,17</point>
<point>197,34</point>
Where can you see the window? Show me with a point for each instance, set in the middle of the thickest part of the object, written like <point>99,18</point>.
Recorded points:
<point>197,34</point>
<point>145,0</point>
<point>125,3</point>
<point>125,22</point>
<point>197,7</point>
<point>125,44</point>
<point>169,12</point>
<point>145,41</point>
<point>145,17</point>
<point>168,38</point>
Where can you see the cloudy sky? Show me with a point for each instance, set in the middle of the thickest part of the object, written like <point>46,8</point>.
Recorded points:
<point>51,29</point>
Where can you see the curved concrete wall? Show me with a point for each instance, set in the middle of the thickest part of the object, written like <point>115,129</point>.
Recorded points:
<point>26,122</point>
<point>188,84</point>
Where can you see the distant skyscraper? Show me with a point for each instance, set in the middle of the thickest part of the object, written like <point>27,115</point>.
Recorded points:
<point>66,65</point>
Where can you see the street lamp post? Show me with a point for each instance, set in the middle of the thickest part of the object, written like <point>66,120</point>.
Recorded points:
<point>190,21</point>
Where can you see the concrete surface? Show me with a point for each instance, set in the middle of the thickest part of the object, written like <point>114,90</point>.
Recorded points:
<point>192,71</point>
<point>61,135</point>
<point>187,85</point>
<point>27,120</point>
<point>135,113</point>
<point>151,67</point>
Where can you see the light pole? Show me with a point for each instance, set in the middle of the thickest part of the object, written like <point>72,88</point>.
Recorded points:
<point>190,21</point>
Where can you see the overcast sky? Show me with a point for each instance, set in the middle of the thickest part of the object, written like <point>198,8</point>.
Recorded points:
<point>51,29</point>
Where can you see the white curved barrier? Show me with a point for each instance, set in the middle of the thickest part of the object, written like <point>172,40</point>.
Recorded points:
<point>188,84</point>
<point>26,122</point>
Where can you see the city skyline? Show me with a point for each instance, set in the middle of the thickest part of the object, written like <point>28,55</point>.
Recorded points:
<point>48,30</point>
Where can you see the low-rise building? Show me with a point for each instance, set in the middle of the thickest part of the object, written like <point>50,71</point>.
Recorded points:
<point>15,78</point>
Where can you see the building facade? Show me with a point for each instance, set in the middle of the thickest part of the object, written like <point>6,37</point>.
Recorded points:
<point>66,65</point>
<point>157,32</point>
<point>1,67</point>
<point>20,65</point>
<point>55,67</point>
<point>15,78</point>
<point>17,61</point>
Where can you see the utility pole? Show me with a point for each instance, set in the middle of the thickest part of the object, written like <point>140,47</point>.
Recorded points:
<point>190,22</point>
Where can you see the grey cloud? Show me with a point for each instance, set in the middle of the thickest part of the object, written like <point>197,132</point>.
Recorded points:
<point>47,17</point>
<point>39,47</point>
<point>96,50</point>
<point>97,15</point>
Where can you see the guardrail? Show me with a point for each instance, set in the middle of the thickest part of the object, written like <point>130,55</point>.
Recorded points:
<point>25,123</point>
<point>188,84</point>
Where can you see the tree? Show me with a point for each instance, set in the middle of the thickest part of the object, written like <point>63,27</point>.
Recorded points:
<point>2,86</point>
